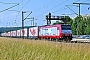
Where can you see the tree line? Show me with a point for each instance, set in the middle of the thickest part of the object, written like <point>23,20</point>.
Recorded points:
<point>80,24</point>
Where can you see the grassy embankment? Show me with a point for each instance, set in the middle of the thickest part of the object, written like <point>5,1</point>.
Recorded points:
<point>19,49</point>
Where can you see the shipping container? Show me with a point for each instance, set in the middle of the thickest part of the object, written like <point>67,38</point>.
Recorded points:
<point>23,33</point>
<point>33,33</point>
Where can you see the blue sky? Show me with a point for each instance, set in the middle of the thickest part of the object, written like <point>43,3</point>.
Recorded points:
<point>39,8</point>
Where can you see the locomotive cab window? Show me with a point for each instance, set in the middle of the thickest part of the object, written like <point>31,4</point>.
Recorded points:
<point>66,27</point>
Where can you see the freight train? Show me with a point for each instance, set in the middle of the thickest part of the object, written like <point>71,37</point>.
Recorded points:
<point>58,32</point>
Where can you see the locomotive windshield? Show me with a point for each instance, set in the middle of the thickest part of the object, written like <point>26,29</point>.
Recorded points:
<point>66,27</point>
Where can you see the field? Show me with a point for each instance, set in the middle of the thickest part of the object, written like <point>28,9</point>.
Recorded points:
<point>19,49</point>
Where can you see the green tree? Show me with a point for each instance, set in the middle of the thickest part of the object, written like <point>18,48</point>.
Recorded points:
<point>57,22</point>
<point>69,20</point>
<point>74,27</point>
<point>87,30</point>
<point>81,27</point>
<point>78,25</point>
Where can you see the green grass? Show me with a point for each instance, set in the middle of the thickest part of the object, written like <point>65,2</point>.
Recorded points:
<point>19,49</point>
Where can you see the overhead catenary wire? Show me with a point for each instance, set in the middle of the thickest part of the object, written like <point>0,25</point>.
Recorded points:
<point>86,10</point>
<point>51,4</point>
<point>77,0</point>
<point>18,13</point>
<point>52,8</point>
<point>61,9</point>
<point>64,8</point>
<point>72,10</point>
<point>58,5</point>
<point>8,3</point>
<point>25,4</point>
<point>21,8</point>
<point>9,8</point>
<point>86,0</point>
<point>15,21</point>
<point>47,4</point>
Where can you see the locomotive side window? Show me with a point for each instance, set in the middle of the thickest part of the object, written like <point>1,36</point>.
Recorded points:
<point>66,27</point>
<point>57,28</point>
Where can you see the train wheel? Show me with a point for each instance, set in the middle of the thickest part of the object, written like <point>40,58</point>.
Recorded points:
<point>50,39</point>
<point>39,38</point>
<point>54,39</point>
